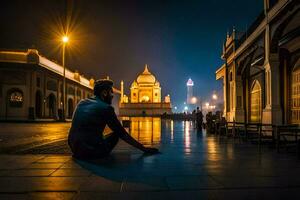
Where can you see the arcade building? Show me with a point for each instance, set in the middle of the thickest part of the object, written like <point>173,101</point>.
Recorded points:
<point>261,70</point>
<point>145,97</point>
<point>31,87</point>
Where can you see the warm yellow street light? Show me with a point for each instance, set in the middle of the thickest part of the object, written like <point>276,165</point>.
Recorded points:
<point>65,40</point>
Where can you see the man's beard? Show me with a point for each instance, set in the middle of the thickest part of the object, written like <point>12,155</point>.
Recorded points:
<point>108,100</point>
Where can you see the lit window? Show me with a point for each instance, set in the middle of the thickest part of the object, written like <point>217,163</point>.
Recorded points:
<point>255,103</point>
<point>295,97</point>
<point>16,98</point>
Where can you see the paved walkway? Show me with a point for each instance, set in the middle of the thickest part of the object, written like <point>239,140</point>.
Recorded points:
<point>192,166</point>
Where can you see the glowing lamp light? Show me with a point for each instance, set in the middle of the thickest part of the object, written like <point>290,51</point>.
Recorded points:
<point>186,108</point>
<point>175,107</point>
<point>65,39</point>
<point>194,100</point>
<point>207,104</point>
<point>214,96</point>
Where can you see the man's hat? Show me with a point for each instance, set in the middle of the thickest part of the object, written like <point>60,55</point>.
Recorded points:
<point>102,84</point>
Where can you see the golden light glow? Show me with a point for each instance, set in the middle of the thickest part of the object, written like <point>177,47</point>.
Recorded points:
<point>214,96</point>
<point>146,130</point>
<point>187,137</point>
<point>172,131</point>
<point>194,100</point>
<point>212,152</point>
<point>65,39</point>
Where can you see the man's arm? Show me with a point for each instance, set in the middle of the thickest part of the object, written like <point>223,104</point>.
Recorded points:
<point>117,127</point>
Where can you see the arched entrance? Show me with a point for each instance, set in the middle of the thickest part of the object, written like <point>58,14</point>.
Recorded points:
<point>295,97</point>
<point>52,105</point>
<point>38,104</point>
<point>70,108</point>
<point>145,99</point>
<point>255,102</point>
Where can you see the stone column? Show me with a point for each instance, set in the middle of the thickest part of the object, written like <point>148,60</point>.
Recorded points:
<point>275,89</point>
<point>224,95</point>
<point>267,111</point>
<point>239,111</point>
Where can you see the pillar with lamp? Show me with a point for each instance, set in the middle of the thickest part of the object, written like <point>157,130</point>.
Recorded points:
<point>65,40</point>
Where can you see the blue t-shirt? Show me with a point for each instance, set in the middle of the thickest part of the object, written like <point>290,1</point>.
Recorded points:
<point>89,120</point>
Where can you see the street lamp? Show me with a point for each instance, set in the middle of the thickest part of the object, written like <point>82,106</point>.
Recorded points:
<point>194,100</point>
<point>65,40</point>
<point>214,96</point>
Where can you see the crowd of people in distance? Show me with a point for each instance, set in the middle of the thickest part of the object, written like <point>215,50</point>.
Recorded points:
<point>212,120</point>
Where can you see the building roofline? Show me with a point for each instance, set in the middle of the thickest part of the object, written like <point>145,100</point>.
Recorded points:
<point>23,56</point>
<point>220,72</point>
<point>260,27</point>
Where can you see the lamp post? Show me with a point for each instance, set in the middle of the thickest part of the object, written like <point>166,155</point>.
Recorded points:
<point>214,97</point>
<point>65,40</point>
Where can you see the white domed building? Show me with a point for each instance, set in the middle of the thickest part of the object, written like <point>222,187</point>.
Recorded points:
<point>145,97</point>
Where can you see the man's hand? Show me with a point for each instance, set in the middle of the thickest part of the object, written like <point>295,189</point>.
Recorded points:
<point>150,150</point>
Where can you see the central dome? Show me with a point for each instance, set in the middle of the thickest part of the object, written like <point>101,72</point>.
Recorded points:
<point>146,77</point>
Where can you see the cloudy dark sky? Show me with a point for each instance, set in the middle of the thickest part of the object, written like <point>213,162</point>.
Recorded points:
<point>177,39</point>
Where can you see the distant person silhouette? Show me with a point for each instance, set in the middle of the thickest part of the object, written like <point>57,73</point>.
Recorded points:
<point>91,115</point>
<point>199,119</point>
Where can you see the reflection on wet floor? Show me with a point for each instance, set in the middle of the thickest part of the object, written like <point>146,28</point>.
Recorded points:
<point>146,130</point>
<point>183,134</point>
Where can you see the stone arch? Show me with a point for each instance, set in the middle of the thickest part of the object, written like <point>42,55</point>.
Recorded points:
<point>255,102</point>
<point>278,33</point>
<point>294,96</point>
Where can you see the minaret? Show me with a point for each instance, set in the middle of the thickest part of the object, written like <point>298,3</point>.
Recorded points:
<point>189,86</point>
<point>122,91</point>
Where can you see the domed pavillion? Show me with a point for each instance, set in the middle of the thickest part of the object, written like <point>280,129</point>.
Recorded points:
<point>145,97</point>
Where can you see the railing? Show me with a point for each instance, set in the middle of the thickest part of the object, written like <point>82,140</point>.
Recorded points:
<point>278,135</point>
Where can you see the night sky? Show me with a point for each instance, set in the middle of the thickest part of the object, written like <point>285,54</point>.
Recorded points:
<point>177,39</point>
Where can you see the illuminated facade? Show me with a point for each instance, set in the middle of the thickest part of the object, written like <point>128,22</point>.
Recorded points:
<point>31,86</point>
<point>145,89</point>
<point>146,130</point>
<point>145,97</point>
<point>261,76</point>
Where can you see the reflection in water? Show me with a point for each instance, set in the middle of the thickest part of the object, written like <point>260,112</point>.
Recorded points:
<point>187,137</point>
<point>152,130</point>
<point>146,130</point>
<point>172,131</point>
<point>212,150</point>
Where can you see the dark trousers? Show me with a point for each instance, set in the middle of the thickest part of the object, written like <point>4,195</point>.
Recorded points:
<point>84,151</point>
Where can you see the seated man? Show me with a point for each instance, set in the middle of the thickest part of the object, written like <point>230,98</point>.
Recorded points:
<point>90,117</point>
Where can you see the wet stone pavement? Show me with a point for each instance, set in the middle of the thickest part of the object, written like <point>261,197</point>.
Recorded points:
<point>191,165</point>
